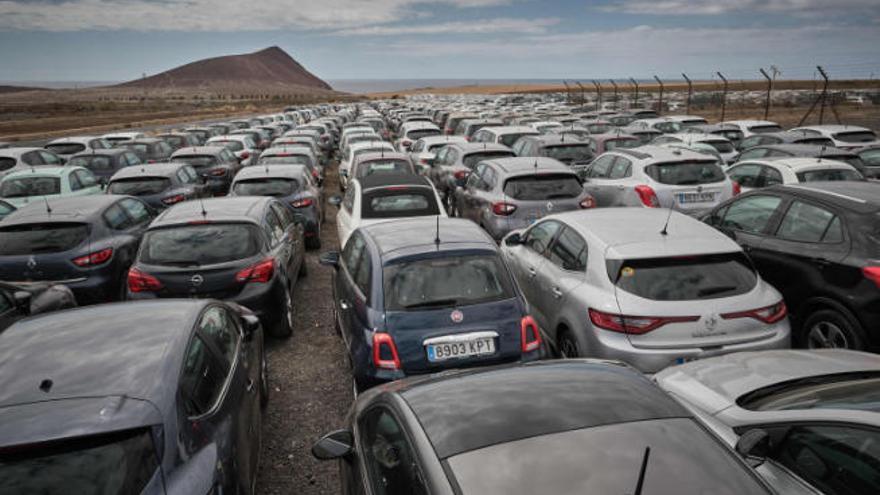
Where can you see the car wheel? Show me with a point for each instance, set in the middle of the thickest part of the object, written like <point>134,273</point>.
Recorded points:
<point>284,328</point>
<point>828,328</point>
<point>314,242</point>
<point>568,345</point>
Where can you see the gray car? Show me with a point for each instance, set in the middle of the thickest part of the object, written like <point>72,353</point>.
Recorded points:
<point>621,283</point>
<point>807,420</point>
<point>512,193</point>
<point>453,163</point>
<point>570,150</point>
<point>658,177</point>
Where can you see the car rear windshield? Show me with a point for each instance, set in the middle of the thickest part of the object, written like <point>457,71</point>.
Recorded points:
<point>198,245</point>
<point>622,143</point>
<point>384,167</point>
<point>816,141</point>
<point>138,147</point>
<point>446,282</point>
<point>92,162</point>
<point>733,135</point>
<point>66,148</point>
<point>685,173</point>
<point>230,145</point>
<point>576,153</point>
<point>831,174</point>
<point>266,187</point>
<point>852,391</point>
<point>111,464</point>
<point>420,133</point>
<point>856,136</point>
<point>543,186</point>
<point>141,186</point>
<point>34,238</point>
<point>285,160</point>
<point>470,161</point>
<point>871,158</point>
<point>684,278</point>
<point>30,186</point>
<point>396,202</point>
<point>6,163</point>
<point>722,146</point>
<point>197,161</point>
<point>683,459</point>
<point>762,129</point>
<point>509,139</point>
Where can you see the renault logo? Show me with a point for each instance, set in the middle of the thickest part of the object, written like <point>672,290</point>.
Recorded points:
<point>550,206</point>
<point>197,280</point>
<point>32,263</point>
<point>711,322</point>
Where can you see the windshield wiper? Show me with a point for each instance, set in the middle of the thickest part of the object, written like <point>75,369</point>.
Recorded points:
<point>182,263</point>
<point>644,468</point>
<point>432,303</point>
<point>710,291</point>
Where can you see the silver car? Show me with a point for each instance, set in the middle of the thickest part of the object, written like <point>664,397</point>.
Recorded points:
<point>808,420</point>
<point>512,193</point>
<point>16,159</point>
<point>453,163</point>
<point>658,177</point>
<point>621,283</point>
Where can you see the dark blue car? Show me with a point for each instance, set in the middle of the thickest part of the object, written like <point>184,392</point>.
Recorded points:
<point>426,294</point>
<point>135,398</point>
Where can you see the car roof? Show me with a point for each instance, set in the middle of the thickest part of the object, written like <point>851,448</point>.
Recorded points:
<point>556,140</point>
<point>100,152</point>
<point>662,154</point>
<point>18,151</point>
<point>466,410</point>
<point>526,164</point>
<point>42,170</point>
<point>72,139</point>
<point>64,209</point>
<point>469,147</point>
<point>511,129</point>
<point>415,235</point>
<point>226,209</point>
<point>198,150</point>
<point>379,155</point>
<point>833,128</point>
<point>798,164</point>
<point>443,138</point>
<point>751,123</point>
<point>283,150</point>
<point>858,196</point>
<point>146,140</point>
<point>271,171</point>
<point>807,149</point>
<point>151,170</point>
<point>380,181</point>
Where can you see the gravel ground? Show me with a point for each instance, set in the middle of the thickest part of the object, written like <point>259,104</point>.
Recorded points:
<point>310,384</point>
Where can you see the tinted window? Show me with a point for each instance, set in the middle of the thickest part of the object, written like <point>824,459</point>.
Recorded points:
<point>197,160</point>
<point>759,129</point>
<point>65,148</point>
<point>540,236</point>
<point>195,245</point>
<point>685,173</point>
<point>684,278</point>
<point>391,464</point>
<point>871,158</point>
<point>474,158</point>
<point>30,186</point>
<point>285,160</point>
<point>6,163</point>
<point>856,137</point>
<point>509,139</point>
<point>621,143</point>
<point>831,174</point>
<point>418,134</point>
<point>266,187</point>
<point>95,162</point>
<point>808,223</point>
<point>747,174</point>
<point>394,203</point>
<point>219,328</point>
<point>567,153</point>
<point>751,214</point>
<point>543,187</point>
<point>569,252</point>
<point>138,211</point>
<point>202,379</point>
<point>141,186</point>
<point>38,238</point>
<point>722,146</point>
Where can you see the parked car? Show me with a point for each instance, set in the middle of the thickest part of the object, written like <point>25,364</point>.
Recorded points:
<point>806,420</point>
<point>147,398</point>
<point>817,244</point>
<point>412,131</point>
<point>243,147</point>
<point>807,151</point>
<point>353,151</point>
<point>453,163</point>
<point>294,187</point>
<point>650,288</point>
<point>215,163</point>
<point>160,185</point>
<point>77,144</point>
<point>420,295</point>
<point>104,163</point>
<point>730,132</point>
<point>202,133</point>
<point>784,137</point>
<point>21,300</point>
<point>755,174</point>
<point>17,159</point>
<point>424,151</point>
<point>644,134</point>
<point>751,127</point>
<point>36,185</point>
<point>662,124</point>
<point>117,138</point>
<point>382,163</point>
<point>294,155</point>
<point>247,250</point>
<point>506,135</point>
<point>179,140</point>
<point>551,427</point>
<point>150,150</point>
<point>86,243</point>
<point>842,136</point>
<point>723,146</point>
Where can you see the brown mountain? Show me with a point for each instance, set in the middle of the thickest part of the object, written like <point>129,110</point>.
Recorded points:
<point>271,67</point>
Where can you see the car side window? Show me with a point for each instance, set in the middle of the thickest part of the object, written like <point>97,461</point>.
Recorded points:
<point>352,253</point>
<point>602,166</point>
<point>390,460</point>
<point>5,302</point>
<point>838,460</point>
<point>451,157</point>
<point>276,230</point>
<point>116,218</point>
<point>488,179</point>
<point>86,178</point>
<point>348,200</point>
<point>474,179</point>
<point>75,184</point>
<point>746,174</point>
<point>569,251</point>
<point>440,157</point>
<point>284,215</point>
<point>540,236</point>
<point>771,177</point>
<point>363,272</point>
<point>220,328</point>
<point>752,154</point>
<point>750,214</point>
<point>622,168</point>
<point>804,222</point>
<point>32,158</point>
<point>137,210</point>
<point>201,381</point>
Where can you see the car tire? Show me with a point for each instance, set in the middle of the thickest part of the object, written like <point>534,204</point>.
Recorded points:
<point>568,346</point>
<point>314,242</point>
<point>829,328</point>
<point>283,328</point>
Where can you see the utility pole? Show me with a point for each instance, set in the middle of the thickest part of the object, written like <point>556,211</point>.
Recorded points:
<point>636,84</point>
<point>769,89</point>
<point>659,103</point>
<point>723,96</point>
<point>687,110</point>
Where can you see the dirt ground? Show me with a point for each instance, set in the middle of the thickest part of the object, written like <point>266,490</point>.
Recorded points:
<point>310,383</point>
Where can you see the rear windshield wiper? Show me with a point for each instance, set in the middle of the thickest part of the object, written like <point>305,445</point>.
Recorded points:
<point>710,291</point>
<point>183,263</point>
<point>432,303</point>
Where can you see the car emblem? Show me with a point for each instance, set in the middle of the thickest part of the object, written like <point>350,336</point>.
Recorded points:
<point>32,263</point>
<point>457,316</point>
<point>550,206</point>
<point>699,189</point>
<point>711,322</point>
<point>197,280</point>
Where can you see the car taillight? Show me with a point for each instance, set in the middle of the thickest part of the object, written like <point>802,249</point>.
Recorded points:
<point>152,161</point>
<point>767,314</point>
<point>261,272</point>
<point>587,203</point>
<point>503,209</point>
<point>872,273</point>
<point>93,259</point>
<point>302,203</point>
<point>170,200</point>
<point>218,172</point>
<point>244,155</point>
<point>530,335</point>
<point>737,189</point>
<point>634,325</point>
<point>139,281</point>
<point>385,352</point>
<point>647,196</point>
<point>461,174</point>
<point>315,174</point>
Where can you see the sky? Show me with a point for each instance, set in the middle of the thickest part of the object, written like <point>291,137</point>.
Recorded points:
<point>118,40</point>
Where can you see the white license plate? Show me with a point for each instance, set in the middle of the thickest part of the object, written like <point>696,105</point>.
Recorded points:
<point>463,349</point>
<point>704,197</point>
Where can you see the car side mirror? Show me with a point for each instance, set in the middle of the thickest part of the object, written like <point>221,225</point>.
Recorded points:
<point>754,446</point>
<point>335,200</point>
<point>22,301</point>
<point>514,239</point>
<point>330,258</point>
<point>334,445</point>
<point>250,324</point>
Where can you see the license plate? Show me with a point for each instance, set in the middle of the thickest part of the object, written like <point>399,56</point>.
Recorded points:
<point>704,197</point>
<point>459,350</point>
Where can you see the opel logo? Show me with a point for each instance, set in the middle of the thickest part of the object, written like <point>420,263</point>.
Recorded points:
<point>32,263</point>
<point>197,280</point>
<point>456,316</point>
<point>699,189</point>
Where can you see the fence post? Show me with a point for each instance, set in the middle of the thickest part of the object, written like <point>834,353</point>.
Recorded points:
<point>567,92</point>
<point>599,94</point>
<point>660,102</point>
<point>583,97</point>
<point>723,96</point>
<point>636,84</point>
<point>616,99</point>
<point>769,89</point>
<point>690,93</point>
<point>824,93</point>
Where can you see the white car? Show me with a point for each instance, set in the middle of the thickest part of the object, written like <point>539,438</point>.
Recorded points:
<point>382,197</point>
<point>752,127</point>
<point>355,149</point>
<point>506,135</point>
<point>725,147</point>
<point>755,174</point>
<point>120,137</point>
<point>77,144</point>
<point>843,136</point>
<point>425,149</point>
<point>15,159</point>
<point>242,146</point>
<point>414,130</point>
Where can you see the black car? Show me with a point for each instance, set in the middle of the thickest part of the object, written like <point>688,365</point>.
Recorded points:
<point>179,140</point>
<point>421,295</point>
<point>568,149</point>
<point>150,150</point>
<point>216,164</point>
<point>248,250</point>
<point>105,163</point>
<point>809,151</point>
<point>18,301</point>
<point>819,244</point>
<point>160,185</point>
<point>86,243</point>
<point>555,427</point>
<point>147,398</point>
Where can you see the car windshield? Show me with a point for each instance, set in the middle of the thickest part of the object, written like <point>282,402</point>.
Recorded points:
<point>383,167</point>
<point>420,133</point>
<point>140,186</point>
<point>684,278</point>
<point>399,201</point>
<point>541,187</point>
<point>612,144</point>
<point>471,160</point>
<point>683,459</point>
<point>202,244</point>
<point>446,282</point>
<point>645,137</point>
<point>285,160</point>
<point>197,161</point>
<point>856,136</point>
<point>138,147</point>
<point>685,173</point>
<point>230,145</point>
<point>830,174</point>
<point>266,187</point>
<point>870,157</point>
<point>66,148</point>
<point>92,162</point>
<point>30,186</point>
<point>36,238</point>
<point>111,464</point>
<point>762,129</point>
<point>509,139</point>
<point>575,153</point>
<point>722,146</point>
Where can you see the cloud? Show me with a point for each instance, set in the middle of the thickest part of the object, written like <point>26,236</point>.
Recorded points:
<point>213,15</point>
<point>714,7</point>
<point>483,26</point>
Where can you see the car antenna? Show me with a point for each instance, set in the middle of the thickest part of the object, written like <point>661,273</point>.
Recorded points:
<point>821,153</point>
<point>665,231</point>
<point>48,208</point>
<point>642,470</point>
<point>202,205</point>
<point>437,233</point>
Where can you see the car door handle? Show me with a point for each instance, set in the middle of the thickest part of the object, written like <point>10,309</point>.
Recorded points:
<point>556,293</point>
<point>532,271</point>
<point>344,304</point>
